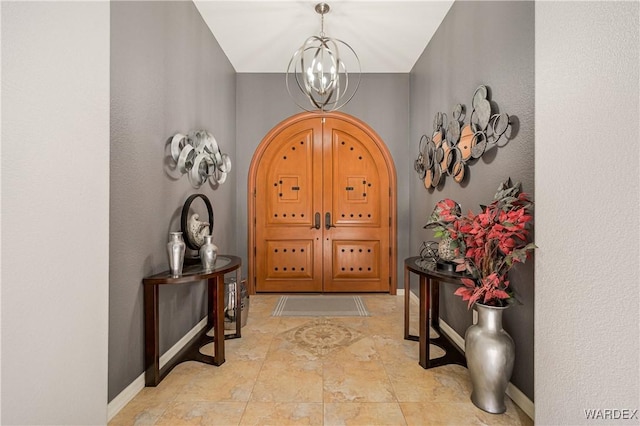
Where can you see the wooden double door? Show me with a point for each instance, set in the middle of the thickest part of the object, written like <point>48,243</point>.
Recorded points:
<point>322,208</point>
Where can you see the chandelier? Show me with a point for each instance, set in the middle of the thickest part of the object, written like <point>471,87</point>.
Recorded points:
<point>320,72</point>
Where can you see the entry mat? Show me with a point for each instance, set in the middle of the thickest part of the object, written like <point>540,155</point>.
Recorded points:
<point>320,306</point>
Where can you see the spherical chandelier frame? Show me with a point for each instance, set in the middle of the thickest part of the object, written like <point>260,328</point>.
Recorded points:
<point>320,73</point>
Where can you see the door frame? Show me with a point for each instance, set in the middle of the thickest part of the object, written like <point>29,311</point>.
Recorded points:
<point>251,189</point>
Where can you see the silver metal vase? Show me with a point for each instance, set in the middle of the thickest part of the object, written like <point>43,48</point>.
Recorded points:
<point>208,253</point>
<point>175,249</point>
<point>490,353</point>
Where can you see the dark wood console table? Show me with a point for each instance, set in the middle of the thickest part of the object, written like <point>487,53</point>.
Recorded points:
<point>215,308</point>
<point>430,279</point>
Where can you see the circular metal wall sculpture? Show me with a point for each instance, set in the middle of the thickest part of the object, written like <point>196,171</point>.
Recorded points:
<point>423,161</point>
<point>450,150</point>
<point>198,155</point>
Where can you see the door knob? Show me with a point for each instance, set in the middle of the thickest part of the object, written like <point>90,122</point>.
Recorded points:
<point>316,221</point>
<point>327,221</point>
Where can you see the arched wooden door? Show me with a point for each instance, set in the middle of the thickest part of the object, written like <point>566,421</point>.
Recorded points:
<point>322,208</point>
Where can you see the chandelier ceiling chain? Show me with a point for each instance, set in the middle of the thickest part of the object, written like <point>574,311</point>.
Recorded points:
<point>320,72</point>
<point>321,10</point>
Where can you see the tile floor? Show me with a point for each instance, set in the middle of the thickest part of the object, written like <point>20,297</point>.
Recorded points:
<point>269,379</point>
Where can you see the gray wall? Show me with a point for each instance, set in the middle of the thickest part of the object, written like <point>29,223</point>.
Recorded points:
<point>588,264</point>
<point>490,43</point>
<point>168,75</point>
<point>382,101</point>
<point>55,212</point>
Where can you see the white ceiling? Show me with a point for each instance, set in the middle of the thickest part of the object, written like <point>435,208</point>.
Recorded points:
<point>261,36</point>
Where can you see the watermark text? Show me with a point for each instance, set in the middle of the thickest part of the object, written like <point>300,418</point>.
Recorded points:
<point>611,414</point>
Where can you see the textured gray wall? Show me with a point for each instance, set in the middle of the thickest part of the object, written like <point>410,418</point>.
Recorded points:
<point>168,75</point>
<point>490,43</point>
<point>382,101</point>
<point>588,264</point>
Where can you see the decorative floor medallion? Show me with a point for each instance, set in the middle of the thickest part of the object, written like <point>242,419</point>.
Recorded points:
<point>322,336</point>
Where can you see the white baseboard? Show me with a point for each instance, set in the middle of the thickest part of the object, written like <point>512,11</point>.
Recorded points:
<point>516,395</point>
<point>182,342</point>
<point>449,331</point>
<point>124,397</point>
<point>521,400</point>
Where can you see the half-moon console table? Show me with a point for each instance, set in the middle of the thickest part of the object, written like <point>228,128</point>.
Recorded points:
<point>430,279</point>
<point>215,308</point>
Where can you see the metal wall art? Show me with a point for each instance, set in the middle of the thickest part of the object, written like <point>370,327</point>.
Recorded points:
<point>198,155</point>
<point>453,145</point>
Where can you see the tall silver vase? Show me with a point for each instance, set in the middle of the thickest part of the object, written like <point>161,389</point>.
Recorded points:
<point>208,253</point>
<point>175,249</point>
<point>490,353</point>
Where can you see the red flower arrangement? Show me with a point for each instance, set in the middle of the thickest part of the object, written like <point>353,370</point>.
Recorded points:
<point>487,244</point>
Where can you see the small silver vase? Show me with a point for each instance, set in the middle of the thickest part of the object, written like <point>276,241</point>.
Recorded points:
<point>490,353</point>
<point>208,253</point>
<point>175,249</point>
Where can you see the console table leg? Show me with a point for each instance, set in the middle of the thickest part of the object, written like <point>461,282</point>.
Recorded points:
<point>407,301</point>
<point>151,336</point>
<point>217,293</point>
<point>238,312</point>
<point>424,321</point>
<point>435,304</point>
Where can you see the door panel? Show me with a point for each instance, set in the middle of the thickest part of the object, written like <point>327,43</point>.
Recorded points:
<point>322,210</point>
<point>357,196</point>
<point>288,247</point>
<point>355,259</point>
<point>355,182</point>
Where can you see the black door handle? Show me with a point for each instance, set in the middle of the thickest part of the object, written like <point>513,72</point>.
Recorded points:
<point>327,221</point>
<point>317,221</point>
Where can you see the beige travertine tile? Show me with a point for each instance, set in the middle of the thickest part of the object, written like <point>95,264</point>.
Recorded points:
<point>202,413</point>
<point>174,382</point>
<point>264,324</point>
<point>394,350</point>
<point>412,383</point>
<point>353,381</point>
<point>439,413</point>
<point>364,413</point>
<point>360,324</point>
<point>261,305</point>
<point>361,350</point>
<point>253,347</point>
<point>139,412</point>
<point>288,323</point>
<point>232,381</point>
<point>282,413</point>
<point>383,305</point>
<point>289,381</point>
<point>459,413</point>
<point>386,326</point>
<point>283,349</point>
<point>316,338</point>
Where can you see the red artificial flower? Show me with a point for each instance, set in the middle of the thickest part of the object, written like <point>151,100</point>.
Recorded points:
<point>488,243</point>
